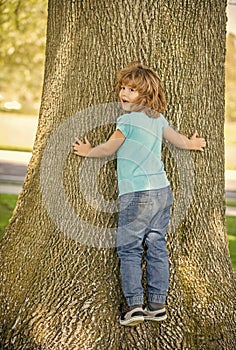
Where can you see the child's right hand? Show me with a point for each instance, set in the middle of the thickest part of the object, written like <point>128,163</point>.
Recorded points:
<point>82,149</point>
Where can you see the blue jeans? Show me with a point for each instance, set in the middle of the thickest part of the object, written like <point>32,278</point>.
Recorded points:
<point>143,221</point>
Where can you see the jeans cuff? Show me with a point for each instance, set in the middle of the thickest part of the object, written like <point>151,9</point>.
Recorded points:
<point>156,298</point>
<point>136,300</point>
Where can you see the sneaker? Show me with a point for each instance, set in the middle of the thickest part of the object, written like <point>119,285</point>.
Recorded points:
<point>156,315</point>
<point>133,317</point>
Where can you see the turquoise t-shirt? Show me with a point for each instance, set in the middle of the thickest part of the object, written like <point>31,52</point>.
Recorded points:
<point>139,164</point>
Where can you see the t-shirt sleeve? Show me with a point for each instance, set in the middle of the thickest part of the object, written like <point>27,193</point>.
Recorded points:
<point>165,123</point>
<point>123,124</point>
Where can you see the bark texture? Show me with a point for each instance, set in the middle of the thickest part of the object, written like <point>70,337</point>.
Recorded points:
<point>58,292</point>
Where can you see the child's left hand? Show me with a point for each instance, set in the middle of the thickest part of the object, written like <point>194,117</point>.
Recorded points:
<point>197,143</point>
<point>82,149</point>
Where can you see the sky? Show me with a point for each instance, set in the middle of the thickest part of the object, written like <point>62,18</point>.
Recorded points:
<point>231,13</point>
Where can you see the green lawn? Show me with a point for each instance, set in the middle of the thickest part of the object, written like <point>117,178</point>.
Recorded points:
<point>231,230</point>
<point>8,201</point>
<point>7,204</point>
<point>231,204</point>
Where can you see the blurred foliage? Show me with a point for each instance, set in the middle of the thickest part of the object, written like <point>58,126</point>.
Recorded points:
<point>22,55</point>
<point>230,77</point>
<point>22,51</point>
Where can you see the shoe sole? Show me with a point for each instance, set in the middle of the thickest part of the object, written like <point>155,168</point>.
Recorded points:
<point>153,318</point>
<point>134,321</point>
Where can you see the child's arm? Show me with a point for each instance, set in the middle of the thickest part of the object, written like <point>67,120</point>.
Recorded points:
<point>103,150</point>
<point>181,141</point>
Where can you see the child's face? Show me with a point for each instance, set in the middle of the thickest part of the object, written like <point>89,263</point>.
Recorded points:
<point>128,96</point>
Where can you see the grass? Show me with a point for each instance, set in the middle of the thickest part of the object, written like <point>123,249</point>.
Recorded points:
<point>16,148</point>
<point>7,205</point>
<point>8,202</point>
<point>231,231</point>
<point>231,204</point>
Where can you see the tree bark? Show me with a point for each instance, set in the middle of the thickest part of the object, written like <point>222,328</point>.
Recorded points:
<point>59,269</point>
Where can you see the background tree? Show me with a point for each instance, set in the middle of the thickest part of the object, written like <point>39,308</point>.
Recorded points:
<point>59,293</point>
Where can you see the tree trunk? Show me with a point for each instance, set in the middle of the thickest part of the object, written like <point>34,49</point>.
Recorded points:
<point>59,269</point>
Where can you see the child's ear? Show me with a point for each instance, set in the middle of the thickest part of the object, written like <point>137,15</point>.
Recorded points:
<point>144,101</point>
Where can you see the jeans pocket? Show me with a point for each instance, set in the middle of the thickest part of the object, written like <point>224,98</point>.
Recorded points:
<point>135,213</point>
<point>135,208</point>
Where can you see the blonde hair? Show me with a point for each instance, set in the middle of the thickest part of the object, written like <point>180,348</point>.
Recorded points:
<point>147,83</point>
